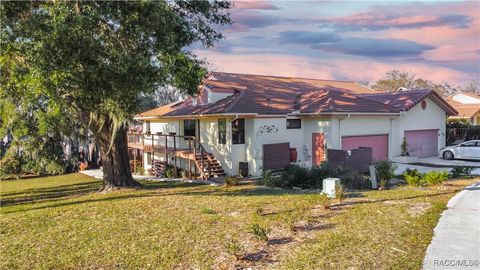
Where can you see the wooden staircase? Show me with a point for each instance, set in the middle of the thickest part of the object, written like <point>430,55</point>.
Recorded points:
<point>208,165</point>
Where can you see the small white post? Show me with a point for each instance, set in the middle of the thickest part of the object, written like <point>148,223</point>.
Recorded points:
<point>373,177</point>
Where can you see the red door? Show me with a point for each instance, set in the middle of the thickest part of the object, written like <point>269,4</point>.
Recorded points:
<point>422,143</point>
<point>318,148</point>
<point>378,143</point>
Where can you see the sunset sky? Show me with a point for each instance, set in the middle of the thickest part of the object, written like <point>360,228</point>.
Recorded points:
<point>359,41</point>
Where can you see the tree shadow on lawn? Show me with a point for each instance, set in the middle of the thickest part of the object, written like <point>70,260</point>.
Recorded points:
<point>155,189</point>
<point>149,189</point>
<point>48,193</point>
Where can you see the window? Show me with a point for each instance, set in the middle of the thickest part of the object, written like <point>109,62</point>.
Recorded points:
<point>469,144</point>
<point>294,123</point>
<point>147,127</point>
<point>238,131</point>
<point>189,127</point>
<point>222,131</point>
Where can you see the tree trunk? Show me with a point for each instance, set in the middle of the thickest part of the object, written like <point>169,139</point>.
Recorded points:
<point>115,160</point>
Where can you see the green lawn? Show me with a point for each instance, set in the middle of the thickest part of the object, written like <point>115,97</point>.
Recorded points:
<point>63,223</point>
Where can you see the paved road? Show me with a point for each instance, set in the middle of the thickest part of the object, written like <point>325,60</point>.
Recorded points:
<point>456,240</point>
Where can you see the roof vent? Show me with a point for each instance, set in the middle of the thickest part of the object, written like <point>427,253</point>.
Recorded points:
<point>267,101</point>
<point>402,89</point>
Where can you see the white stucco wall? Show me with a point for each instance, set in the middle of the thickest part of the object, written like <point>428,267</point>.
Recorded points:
<point>432,117</point>
<point>358,125</point>
<point>314,125</point>
<point>209,139</point>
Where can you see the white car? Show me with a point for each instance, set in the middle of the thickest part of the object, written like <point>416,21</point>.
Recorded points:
<point>465,150</point>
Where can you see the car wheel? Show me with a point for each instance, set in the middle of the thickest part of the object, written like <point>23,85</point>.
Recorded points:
<point>448,155</point>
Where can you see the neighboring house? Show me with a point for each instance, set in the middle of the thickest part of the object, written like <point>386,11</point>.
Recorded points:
<point>467,105</point>
<point>258,119</point>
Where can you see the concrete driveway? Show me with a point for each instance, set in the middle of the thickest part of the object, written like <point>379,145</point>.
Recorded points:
<point>436,161</point>
<point>456,240</point>
<point>427,164</point>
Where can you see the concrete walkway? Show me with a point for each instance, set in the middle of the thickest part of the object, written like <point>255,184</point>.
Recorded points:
<point>98,173</point>
<point>456,240</point>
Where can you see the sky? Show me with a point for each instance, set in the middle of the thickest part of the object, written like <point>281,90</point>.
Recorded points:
<point>355,41</point>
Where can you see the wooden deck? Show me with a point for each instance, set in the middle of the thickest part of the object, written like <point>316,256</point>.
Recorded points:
<point>173,146</point>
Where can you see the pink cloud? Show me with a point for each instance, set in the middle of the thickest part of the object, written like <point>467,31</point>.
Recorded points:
<point>354,70</point>
<point>257,4</point>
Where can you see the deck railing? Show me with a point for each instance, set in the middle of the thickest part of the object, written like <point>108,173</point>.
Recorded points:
<point>171,145</point>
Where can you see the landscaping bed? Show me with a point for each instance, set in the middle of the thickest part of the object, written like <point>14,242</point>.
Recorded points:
<point>63,223</point>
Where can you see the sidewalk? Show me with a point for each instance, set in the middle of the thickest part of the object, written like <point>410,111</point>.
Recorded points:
<point>456,240</point>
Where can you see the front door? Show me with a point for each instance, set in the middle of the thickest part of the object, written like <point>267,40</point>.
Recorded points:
<point>318,148</point>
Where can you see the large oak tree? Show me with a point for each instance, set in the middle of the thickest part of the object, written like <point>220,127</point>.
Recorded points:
<point>93,61</point>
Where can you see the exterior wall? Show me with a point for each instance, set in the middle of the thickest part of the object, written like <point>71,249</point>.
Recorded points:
<point>314,125</point>
<point>216,96</point>
<point>357,125</point>
<point>209,139</point>
<point>159,126</point>
<point>433,117</point>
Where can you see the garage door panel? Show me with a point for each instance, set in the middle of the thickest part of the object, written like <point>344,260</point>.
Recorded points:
<point>422,143</point>
<point>378,143</point>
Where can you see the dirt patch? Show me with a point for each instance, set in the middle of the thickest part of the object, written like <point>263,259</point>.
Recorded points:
<point>418,209</point>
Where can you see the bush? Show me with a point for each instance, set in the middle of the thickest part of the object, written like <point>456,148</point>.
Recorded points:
<point>461,171</point>
<point>385,171</point>
<point>10,166</point>
<point>354,179</point>
<point>259,232</point>
<point>318,173</point>
<point>413,177</point>
<point>231,181</point>
<point>434,178</point>
<point>265,178</point>
<point>324,201</point>
<point>296,176</point>
<point>54,168</point>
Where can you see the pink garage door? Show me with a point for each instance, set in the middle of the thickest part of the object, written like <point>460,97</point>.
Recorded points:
<point>378,143</point>
<point>422,143</point>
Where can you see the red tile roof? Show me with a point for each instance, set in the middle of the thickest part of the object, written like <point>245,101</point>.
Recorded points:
<point>255,94</point>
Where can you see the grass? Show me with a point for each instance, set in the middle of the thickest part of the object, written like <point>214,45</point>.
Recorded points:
<point>63,223</point>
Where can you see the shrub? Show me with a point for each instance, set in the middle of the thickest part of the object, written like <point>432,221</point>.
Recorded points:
<point>265,178</point>
<point>354,179</point>
<point>231,181</point>
<point>10,166</point>
<point>54,168</point>
<point>318,173</point>
<point>340,193</point>
<point>235,248</point>
<point>296,176</point>
<point>434,178</point>
<point>259,232</point>
<point>385,171</point>
<point>413,177</point>
<point>461,171</point>
<point>324,201</point>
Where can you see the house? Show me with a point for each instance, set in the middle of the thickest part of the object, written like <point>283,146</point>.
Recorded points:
<point>467,105</point>
<point>268,122</point>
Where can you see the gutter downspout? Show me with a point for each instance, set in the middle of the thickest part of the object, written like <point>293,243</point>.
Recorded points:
<point>339,129</point>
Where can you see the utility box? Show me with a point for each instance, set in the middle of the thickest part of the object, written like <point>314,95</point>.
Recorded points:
<point>329,185</point>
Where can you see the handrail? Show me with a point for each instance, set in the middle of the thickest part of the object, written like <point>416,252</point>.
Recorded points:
<point>196,144</point>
